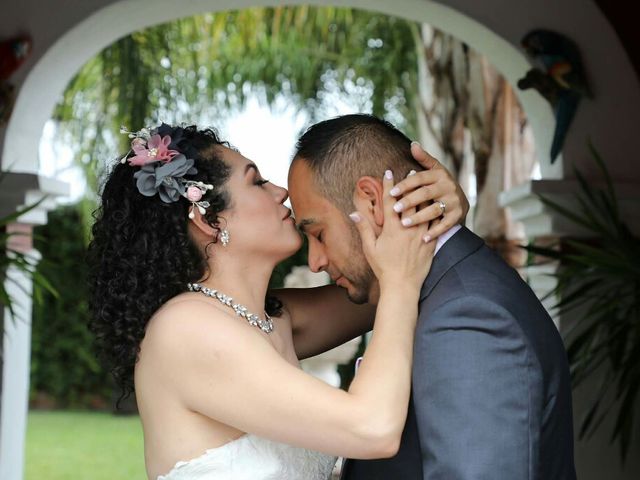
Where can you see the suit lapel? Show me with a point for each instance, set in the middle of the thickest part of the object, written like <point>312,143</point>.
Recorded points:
<point>456,249</point>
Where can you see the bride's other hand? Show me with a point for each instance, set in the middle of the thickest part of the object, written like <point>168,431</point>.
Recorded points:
<point>397,255</point>
<point>433,185</point>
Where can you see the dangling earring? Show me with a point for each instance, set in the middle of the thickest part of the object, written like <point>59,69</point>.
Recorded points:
<point>224,237</point>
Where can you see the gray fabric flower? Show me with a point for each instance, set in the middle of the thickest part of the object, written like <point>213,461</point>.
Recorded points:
<point>165,179</point>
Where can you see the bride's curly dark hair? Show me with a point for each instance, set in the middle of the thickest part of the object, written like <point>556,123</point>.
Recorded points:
<point>141,254</point>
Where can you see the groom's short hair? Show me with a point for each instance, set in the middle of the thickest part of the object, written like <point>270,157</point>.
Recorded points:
<point>341,150</point>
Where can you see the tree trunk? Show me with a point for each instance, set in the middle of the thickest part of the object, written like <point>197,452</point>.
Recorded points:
<point>469,118</point>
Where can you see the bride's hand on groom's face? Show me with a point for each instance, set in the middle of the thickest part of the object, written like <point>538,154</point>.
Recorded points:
<point>398,256</point>
<point>425,190</point>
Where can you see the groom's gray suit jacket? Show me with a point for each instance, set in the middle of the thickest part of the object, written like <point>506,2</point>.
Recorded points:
<point>491,396</point>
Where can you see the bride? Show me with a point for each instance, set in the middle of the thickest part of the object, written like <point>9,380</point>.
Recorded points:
<point>184,244</point>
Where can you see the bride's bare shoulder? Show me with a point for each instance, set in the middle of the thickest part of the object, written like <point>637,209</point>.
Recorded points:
<point>189,318</point>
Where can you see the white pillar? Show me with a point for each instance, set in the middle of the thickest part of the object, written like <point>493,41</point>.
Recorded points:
<point>18,191</point>
<point>15,374</point>
<point>539,220</point>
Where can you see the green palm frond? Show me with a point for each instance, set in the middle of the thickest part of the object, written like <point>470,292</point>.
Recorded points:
<point>598,279</point>
<point>11,259</point>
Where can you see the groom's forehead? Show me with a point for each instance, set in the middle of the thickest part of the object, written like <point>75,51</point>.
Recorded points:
<point>309,208</point>
<point>300,173</point>
<point>302,188</point>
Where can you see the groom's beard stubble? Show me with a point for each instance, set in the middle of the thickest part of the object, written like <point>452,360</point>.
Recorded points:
<point>358,271</point>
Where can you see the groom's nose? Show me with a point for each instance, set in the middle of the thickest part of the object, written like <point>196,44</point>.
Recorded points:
<point>317,257</point>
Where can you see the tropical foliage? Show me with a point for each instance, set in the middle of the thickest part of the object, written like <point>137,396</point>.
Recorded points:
<point>12,258</point>
<point>64,368</point>
<point>204,67</point>
<point>599,283</point>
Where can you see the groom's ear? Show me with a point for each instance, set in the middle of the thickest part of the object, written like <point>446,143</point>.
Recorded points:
<point>367,198</point>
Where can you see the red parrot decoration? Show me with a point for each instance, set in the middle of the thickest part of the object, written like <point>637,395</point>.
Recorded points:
<point>13,53</point>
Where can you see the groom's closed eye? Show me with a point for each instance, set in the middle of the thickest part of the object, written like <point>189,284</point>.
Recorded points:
<point>303,225</point>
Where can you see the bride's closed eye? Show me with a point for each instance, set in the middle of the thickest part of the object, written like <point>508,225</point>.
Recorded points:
<point>261,182</point>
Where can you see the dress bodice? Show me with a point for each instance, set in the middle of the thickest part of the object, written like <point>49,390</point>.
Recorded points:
<point>254,458</point>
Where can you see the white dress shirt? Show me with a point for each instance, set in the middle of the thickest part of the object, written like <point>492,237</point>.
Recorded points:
<point>442,239</point>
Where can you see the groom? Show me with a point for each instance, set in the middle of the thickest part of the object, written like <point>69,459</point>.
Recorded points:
<point>490,394</point>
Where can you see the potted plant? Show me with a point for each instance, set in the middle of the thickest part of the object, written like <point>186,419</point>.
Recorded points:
<point>598,280</point>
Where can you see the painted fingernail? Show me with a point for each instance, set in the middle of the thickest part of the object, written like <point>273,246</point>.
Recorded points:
<point>426,238</point>
<point>411,172</point>
<point>355,216</point>
<point>398,207</point>
<point>388,175</point>
<point>406,222</point>
<point>394,192</point>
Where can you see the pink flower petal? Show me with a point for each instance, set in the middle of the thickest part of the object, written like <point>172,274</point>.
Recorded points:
<point>139,160</point>
<point>138,147</point>
<point>154,141</point>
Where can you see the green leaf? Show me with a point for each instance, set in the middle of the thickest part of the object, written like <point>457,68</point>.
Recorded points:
<point>600,279</point>
<point>4,221</point>
<point>605,172</point>
<point>624,422</point>
<point>567,213</point>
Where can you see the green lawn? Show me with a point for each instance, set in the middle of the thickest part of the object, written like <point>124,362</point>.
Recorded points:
<point>83,445</point>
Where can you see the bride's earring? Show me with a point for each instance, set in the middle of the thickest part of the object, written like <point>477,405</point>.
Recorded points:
<point>224,237</point>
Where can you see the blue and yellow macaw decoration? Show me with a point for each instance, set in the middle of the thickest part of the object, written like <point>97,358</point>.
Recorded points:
<point>561,80</point>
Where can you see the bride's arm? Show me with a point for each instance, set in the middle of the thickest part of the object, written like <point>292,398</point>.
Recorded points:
<point>323,318</point>
<point>230,372</point>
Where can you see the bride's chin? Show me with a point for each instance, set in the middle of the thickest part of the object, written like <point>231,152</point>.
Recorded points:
<point>296,243</point>
<point>293,244</point>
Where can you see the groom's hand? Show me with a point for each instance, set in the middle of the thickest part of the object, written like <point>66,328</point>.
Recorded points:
<point>431,186</point>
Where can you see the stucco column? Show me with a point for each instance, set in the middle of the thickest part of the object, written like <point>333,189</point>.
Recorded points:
<point>20,190</point>
<point>15,373</point>
<point>539,220</point>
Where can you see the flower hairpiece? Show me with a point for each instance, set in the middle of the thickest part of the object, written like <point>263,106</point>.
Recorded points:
<point>162,170</point>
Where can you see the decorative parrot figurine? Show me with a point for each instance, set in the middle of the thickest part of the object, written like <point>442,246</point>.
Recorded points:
<point>561,80</point>
<point>13,53</point>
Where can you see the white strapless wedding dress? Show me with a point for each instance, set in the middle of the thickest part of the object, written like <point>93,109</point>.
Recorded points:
<point>254,458</point>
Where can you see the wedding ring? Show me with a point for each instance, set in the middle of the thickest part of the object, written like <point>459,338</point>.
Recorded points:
<point>443,206</point>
